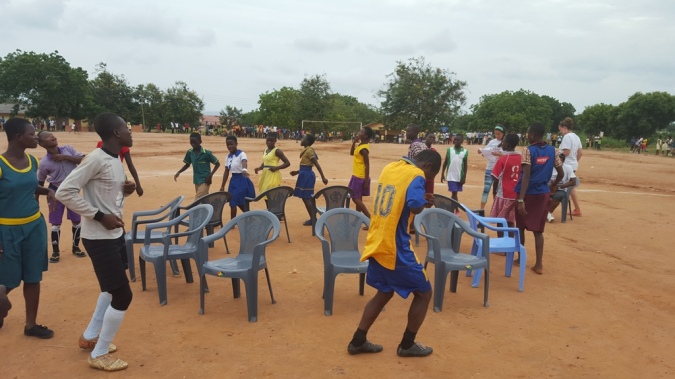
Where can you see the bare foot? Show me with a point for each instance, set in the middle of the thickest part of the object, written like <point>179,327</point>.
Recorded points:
<point>538,269</point>
<point>516,262</point>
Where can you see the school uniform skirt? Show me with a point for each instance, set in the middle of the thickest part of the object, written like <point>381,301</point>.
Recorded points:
<point>240,188</point>
<point>304,187</point>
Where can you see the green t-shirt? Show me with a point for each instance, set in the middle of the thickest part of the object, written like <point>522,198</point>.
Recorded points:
<point>201,164</point>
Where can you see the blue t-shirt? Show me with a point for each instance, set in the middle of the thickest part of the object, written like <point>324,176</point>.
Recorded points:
<point>541,158</point>
<point>414,198</point>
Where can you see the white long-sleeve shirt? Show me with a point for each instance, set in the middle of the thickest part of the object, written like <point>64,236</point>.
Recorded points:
<point>101,177</point>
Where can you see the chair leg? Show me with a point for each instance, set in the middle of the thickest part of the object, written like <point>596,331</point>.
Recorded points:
<point>251,284</point>
<point>286,224</point>
<point>174,268</point>
<point>508,266</point>
<point>487,286</point>
<point>269,285</point>
<point>362,283</point>
<point>328,293</point>
<point>130,259</point>
<point>523,259</point>
<point>564,204</point>
<point>454,276</point>
<point>160,272</point>
<point>141,267</point>
<point>227,248</point>
<point>187,269</point>
<point>202,290</point>
<point>236,288</point>
<point>209,231</point>
<point>441,277</point>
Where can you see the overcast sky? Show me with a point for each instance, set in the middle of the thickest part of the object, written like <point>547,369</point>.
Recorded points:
<point>230,51</point>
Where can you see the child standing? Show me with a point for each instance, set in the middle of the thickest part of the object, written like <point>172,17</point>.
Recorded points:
<point>241,185</point>
<point>125,154</point>
<point>304,187</point>
<point>360,181</point>
<point>506,174</point>
<point>271,176</point>
<point>455,166</point>
<point>59,162</point>
<point>491,152</point>
<point>101,178</point>
<point>201,160</point>
<point>538,162</point>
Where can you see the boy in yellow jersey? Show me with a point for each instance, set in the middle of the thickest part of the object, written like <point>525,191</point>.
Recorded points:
<point>360,181</point>
<point>393,266</point>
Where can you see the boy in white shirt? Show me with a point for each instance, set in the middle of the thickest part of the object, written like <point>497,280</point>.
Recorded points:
<point>103,182</point>
<point>568,180</point>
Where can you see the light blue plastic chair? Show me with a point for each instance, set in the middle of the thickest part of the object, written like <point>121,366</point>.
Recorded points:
<point>509,244</point>
<point>340,249</point>
<point>134,236</point>
<point>256,230</point>
<point>196,219</point>
<point>439,227</point>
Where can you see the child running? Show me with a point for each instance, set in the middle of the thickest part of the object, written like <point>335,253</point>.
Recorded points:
<point>59,162</point>
<point>455,166</point>
<point>241,185</point>
<point>538,162</point>
<point>102,179</point>
<point>360,181</point>
<point>201,160</point>
<point>304,186</point>
<point>271,176</point>
<point>23,231</point>
<point>506,173</point>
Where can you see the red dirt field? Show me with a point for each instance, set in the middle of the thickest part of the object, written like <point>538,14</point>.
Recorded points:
<point>603,308</point>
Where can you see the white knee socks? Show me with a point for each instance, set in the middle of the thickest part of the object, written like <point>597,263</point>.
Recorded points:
<point>96,322</point>
<point>111,324</point>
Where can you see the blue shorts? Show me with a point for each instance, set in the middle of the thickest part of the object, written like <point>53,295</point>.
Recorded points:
<point>455,187</point>
<point>404,279</point>
<point>25,253</point>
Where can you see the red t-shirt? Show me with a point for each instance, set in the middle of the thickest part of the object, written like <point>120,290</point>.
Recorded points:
<point>507,170</point>
<point>123,151</point>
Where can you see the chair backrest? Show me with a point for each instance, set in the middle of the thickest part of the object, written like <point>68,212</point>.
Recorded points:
<point>437,223</point>
<point>343,226</point>
<point>197,218</point>
<point>217,200</point>
<point>447,203</point>
<point>255,227</point>
<point>173,204</point>
<point>335,196</point>
<point>276,199</point>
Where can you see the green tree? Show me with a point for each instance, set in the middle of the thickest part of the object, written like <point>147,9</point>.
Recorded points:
<point>150,103</point>
<point>230,116</point>
<point>112,93</point>
<point>514,110</point>
<point>421,94</point>
<point>643,114</point>
<point>314,101</point>
<point>598,118</point>
<point>251,118</point>
<point>558,112</point>
<point>183,105</point>
<point>280,108</point>
<point>45,84</point>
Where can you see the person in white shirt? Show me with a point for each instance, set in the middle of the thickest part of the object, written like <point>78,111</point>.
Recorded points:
<point>571,147</point>
<point>101,178</point>
<point>491,152</point>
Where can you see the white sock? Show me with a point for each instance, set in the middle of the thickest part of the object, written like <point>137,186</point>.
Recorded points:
<point>111,324</point>
<point>96,322</point>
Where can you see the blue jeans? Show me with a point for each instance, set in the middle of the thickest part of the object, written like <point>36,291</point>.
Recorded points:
<point>486,186</point>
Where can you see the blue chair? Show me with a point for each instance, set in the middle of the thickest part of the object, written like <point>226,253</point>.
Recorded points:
<point>439,226</point>
<point>196,219</point>
<point>135,236</point>
<point>256,230</point>
<point>341,254</point>
<point>509,243</point>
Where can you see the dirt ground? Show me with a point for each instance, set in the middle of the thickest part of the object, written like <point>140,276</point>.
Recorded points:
<point>602,309</point>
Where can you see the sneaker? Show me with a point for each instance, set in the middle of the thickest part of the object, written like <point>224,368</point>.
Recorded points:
<point>54,258</point>
<point>307,223</point>
<point>416,350</point>
<point>107,362</point>
<point>367,347</point>
<point>78,253</point>
<point>38,331</point>
<point>91,344</point>
<point>549,217</point>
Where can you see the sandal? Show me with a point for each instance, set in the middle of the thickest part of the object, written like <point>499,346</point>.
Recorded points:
<point>307,223</point>
<point>78,253</point>
<point>54,258</point>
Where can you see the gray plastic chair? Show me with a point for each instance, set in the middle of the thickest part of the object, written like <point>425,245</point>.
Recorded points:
<point>196,219</point>
<point>340,248</point>
<point>217,200</point>
<point>334,197</point>
<point>254,229</point>
<point>275,199</point>
<point>450,205</point>
<point>565,205</point>
<point>136,236</point>
<point>436,225</point>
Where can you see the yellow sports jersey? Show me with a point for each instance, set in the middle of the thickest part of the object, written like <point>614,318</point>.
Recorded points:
<point>400,187</point>
<point>359,164</point>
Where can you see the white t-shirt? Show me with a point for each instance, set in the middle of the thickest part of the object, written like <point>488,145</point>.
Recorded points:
<point>493,145</point>
<point>233,162</point>
<point>568,174</point>
<point>572,143</point>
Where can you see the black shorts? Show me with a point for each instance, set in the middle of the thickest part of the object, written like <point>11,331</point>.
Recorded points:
<point>109,260</point>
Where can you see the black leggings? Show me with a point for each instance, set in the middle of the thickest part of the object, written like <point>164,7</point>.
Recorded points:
<point>121,298</point>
